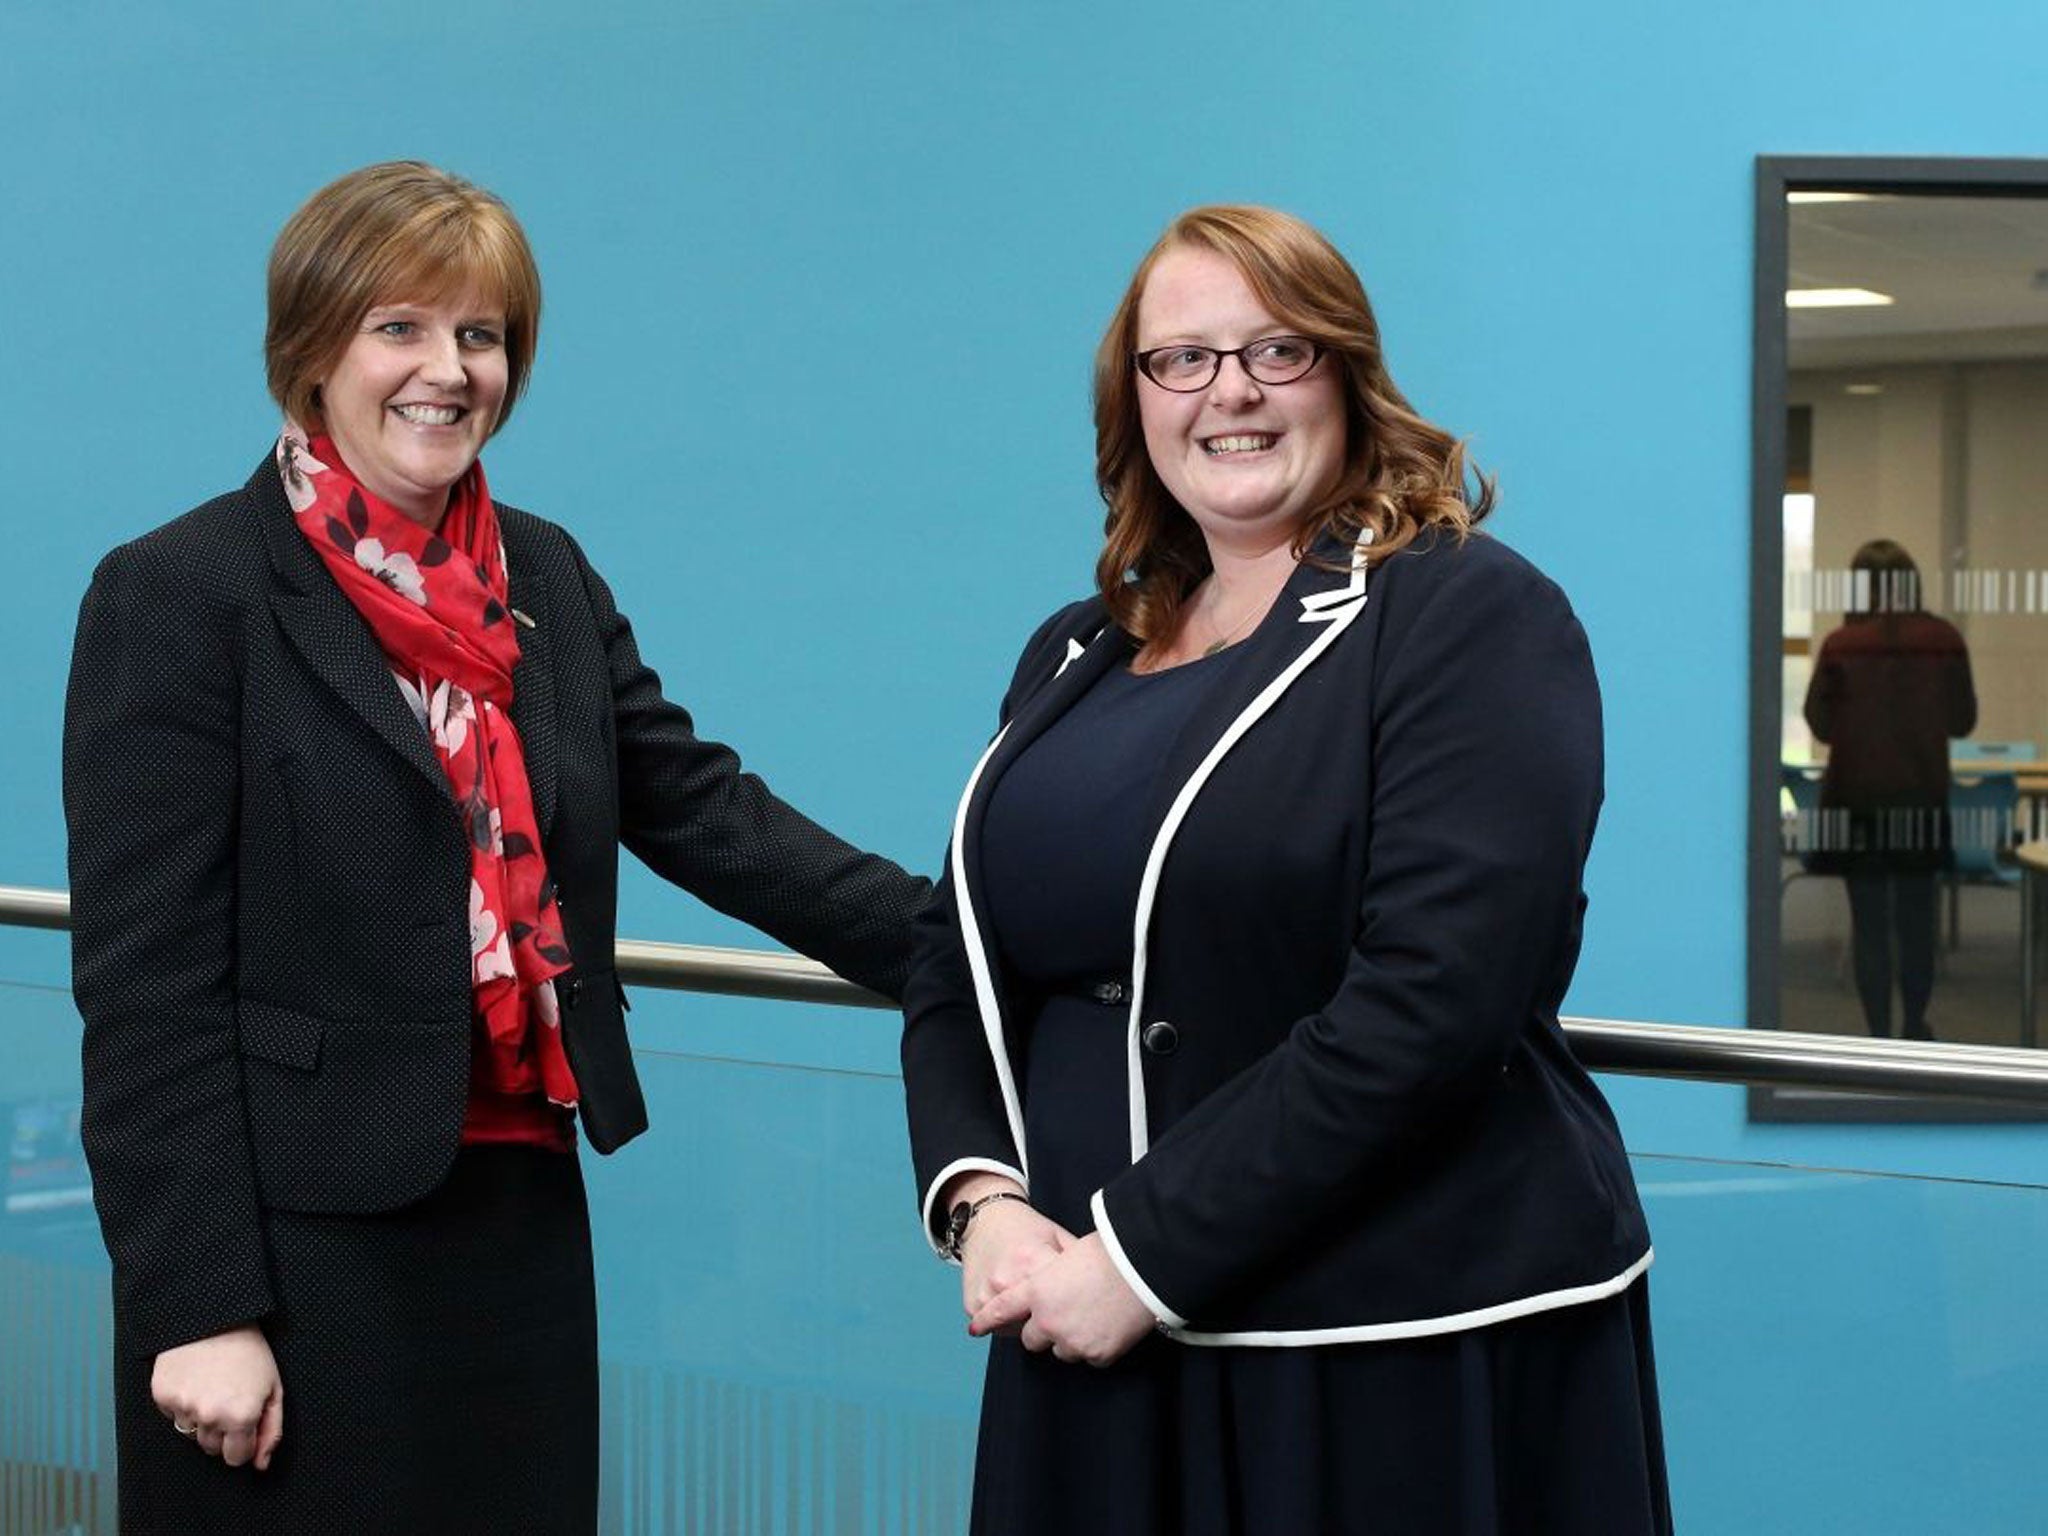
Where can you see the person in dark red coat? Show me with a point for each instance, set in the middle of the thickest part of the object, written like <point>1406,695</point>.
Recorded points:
<point>1890,688</point>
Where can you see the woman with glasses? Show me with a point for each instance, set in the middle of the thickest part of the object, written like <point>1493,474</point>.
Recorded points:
<point>1235,1079</point>
<point>349,754</point>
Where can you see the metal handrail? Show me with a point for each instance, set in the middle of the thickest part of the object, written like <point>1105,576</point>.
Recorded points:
<point>1688,1051</point>
<point>27,906</point>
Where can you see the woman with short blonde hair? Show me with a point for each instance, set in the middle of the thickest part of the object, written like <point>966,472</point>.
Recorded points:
<point>349,756</point>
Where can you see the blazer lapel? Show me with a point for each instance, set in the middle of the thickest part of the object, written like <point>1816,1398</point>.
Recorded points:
<point>1314,598</point>
<point>1313,609</point>
<point>1077,672</point>
<point>1080,667</point>
<point>533,684</point>
<point>328,632</point>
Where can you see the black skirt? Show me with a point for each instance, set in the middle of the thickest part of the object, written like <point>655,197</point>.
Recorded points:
<point>1547,1425</point>
<point>1544,1426</point>
<point>439,1366</point>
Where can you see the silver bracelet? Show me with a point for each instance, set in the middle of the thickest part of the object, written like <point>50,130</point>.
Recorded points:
<point>963,1213</point>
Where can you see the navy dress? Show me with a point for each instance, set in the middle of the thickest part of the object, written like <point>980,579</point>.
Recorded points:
<point>1546,1424</point>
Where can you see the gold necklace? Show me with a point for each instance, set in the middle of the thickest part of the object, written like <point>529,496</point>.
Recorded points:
<point>1238,630</point>
<point>1150,659</point>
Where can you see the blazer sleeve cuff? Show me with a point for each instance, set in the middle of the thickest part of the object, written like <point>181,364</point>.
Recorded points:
<point>939,1181</point>
<point>1167,1316</point>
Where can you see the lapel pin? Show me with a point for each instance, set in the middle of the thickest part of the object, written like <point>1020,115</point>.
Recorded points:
<point>521,618</point>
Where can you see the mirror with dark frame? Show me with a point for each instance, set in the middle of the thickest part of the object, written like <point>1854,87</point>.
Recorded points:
<point>1899,676</point>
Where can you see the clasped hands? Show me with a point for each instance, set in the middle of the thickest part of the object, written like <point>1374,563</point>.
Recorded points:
<point>224,1392</point>
<point>1025,1274</point>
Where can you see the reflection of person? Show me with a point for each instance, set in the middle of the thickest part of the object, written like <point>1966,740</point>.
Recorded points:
<point>1307,1166</point>
<point>1890,687</point>
<point>348,758</point>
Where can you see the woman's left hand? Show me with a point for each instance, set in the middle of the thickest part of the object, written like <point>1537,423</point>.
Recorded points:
<point>1077,1306</point>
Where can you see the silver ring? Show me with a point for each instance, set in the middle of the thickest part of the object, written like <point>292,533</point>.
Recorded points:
<point>185,1429</point>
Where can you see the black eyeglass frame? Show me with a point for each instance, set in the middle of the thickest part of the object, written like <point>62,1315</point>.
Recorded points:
<point>1142,362</point>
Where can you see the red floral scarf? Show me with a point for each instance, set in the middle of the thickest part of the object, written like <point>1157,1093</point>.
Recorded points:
<point>437,603</point>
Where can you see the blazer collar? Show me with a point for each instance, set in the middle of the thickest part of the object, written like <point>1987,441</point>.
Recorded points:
<point>1326,586</point>
<point>328,632</point>
<point>1314,597</point>
<point>1083,661</point>
<point>330,635</point>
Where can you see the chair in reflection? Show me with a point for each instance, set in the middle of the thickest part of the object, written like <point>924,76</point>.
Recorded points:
<point>1799,829</point>
<point>1802,836</point>
<point>2024,758</point>
<point>1992,751</point>
<point>1982,809</point>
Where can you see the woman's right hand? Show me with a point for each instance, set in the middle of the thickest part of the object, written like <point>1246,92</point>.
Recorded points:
<point>1006,1241</point>
<point>224,1393</point>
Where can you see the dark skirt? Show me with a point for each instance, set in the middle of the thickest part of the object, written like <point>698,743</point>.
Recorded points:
<point>1544,1426</point>
<point>439,1366</point>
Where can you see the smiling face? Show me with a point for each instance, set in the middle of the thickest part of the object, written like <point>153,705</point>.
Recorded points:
<point>1248,461</point>
<point>414,396</point>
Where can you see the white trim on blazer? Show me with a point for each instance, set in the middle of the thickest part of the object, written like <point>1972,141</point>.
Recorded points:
<point>1337,608</point>
<point>1175,1326</point>
<point>984,980</point>
<point>985,995</point>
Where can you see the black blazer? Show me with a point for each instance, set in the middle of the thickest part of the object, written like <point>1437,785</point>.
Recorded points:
<point>1352,1112</point>
<point>270,888</point>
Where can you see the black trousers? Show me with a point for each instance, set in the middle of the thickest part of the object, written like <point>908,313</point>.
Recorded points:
<point>439,1366</point>
<point>1892,927</point>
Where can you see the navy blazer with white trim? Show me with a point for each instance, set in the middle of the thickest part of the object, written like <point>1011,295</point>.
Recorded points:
<point>1360,913</point>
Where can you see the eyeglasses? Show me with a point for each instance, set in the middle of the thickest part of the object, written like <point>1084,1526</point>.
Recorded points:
<point>1185,369</point>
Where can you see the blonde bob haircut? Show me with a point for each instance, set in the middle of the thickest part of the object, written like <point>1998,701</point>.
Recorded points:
<point>401,231</point>
<point>1401,474</point>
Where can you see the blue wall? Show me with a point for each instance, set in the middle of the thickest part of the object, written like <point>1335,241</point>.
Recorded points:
<point>823,284</point>
<point>833,534</point>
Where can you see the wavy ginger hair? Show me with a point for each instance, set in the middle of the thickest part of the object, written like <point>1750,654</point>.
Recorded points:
<point>1401,474</point>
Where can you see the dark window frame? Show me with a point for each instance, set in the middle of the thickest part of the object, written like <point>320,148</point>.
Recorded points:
<point>1776,176</point>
